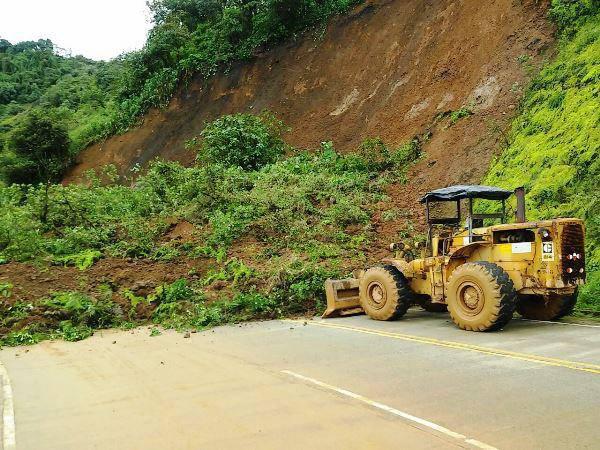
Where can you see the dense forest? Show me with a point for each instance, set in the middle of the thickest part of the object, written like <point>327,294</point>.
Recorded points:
<point>305,215</point>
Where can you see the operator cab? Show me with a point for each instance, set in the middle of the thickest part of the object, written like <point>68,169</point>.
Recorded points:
<point>443,208</point>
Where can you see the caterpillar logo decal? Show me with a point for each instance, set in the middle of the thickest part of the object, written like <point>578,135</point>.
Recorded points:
<point>547,251</point>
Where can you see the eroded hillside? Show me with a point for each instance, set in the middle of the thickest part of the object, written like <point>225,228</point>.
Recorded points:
<point>387,69</point>
<point>438,82</point>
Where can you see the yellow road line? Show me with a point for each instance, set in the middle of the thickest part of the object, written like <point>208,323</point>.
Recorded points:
<point>574,365</point>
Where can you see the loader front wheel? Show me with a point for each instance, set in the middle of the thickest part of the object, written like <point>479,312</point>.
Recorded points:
<point>384,293</point>
<point>553,307</point>
<point>481,297</point>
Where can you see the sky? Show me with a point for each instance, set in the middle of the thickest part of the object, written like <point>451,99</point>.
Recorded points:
<point>97,29</point>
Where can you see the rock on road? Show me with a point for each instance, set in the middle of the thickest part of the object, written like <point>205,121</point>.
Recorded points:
<point>341,383</point>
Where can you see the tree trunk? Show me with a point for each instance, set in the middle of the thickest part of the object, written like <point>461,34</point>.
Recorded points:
<point>44,217</point>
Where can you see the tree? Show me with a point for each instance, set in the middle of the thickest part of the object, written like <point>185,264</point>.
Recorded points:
<point>38,152</point>
<point>39,149</point>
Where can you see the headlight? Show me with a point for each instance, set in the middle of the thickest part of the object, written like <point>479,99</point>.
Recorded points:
<point>545,234</point>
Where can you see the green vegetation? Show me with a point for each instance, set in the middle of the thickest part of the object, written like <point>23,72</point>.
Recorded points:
<point>569,15</point>
<point>454,116</point>
<point>242,140</point>
<point>37,151</point>
<point>190,38</point>
<point>6,290</point>
<point>307,217</point>
<point>298,202</point>
<point>554,146</point>
<point>75,92</point>
<point>74,316</point>
<point>71,316</point>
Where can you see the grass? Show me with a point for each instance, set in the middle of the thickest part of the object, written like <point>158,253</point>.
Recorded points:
<point>454,116</point>
<point>554,145</point>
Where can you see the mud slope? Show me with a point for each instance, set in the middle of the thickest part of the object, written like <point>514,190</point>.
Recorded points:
<point>387,69</point>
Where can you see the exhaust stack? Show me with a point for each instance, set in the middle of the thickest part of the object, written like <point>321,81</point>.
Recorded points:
<point>520,214</point>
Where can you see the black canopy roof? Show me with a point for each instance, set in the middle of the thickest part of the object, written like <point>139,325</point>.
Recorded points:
<point>471,191</point>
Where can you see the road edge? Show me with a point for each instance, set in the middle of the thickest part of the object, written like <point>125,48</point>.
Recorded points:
<point>9,441</point>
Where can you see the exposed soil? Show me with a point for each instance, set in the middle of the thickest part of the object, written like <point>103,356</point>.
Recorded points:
<point>32,282</point>
<point>387,69</point>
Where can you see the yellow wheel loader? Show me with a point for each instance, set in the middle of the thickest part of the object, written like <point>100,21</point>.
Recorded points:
<point>480,274</point>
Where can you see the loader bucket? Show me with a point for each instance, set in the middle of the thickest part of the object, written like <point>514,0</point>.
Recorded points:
<point>342,298</point>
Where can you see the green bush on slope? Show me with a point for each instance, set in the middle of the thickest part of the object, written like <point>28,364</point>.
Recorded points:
<point>570,14</point>
<point>555,141</point>
<point>242,140</point>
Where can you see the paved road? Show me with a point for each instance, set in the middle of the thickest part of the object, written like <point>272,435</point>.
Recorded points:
<point>341,383</point>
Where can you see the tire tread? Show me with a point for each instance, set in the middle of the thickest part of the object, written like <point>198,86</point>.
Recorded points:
<point>506,293</point>
<point>403,294</point>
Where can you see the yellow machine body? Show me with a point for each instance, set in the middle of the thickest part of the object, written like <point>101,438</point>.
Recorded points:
<point>544,258</point>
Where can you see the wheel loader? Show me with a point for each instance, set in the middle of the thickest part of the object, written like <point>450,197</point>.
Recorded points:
<point>480,274</point>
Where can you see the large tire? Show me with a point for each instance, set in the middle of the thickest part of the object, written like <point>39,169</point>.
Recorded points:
<point>384,293</point>
<point>554,307</point>
<point>481,297</point>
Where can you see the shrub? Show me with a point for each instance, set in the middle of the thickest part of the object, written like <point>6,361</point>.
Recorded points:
<point>6,290</point>
<point>569,14</point>
<point>26,336</point>
<point>82,310</point>
<point>82,260</point>
<point>242,140</point>
<point>73,333</point>
<point>590,293</point>
<point>298,288</point>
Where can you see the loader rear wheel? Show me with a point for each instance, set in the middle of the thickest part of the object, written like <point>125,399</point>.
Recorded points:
<point>384,293</point>
<point>553,307</point>
<point>481,297</point>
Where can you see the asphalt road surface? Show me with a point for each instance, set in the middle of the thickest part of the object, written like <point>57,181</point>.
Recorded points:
<point>349,383</point>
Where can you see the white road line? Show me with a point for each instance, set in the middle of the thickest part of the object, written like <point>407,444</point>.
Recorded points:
<point>9,440</point>
<point>562,323</point>
<point>394,411</point>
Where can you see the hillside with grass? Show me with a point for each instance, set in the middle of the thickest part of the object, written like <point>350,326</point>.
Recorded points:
<point>554,145</point>
<point>243,234</point>
<point>218,208</point>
